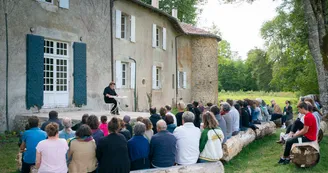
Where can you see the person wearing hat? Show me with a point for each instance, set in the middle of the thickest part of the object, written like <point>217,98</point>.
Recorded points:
<point>109,93</point>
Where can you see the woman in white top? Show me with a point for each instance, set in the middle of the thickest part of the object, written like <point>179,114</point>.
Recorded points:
<point>149,131</point>
<point>51,153</point>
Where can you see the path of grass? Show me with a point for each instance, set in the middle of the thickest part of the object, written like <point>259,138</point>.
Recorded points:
<point>8,152</point>
<point>262,156</point>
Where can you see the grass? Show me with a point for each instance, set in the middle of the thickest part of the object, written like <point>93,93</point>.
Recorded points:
<point>262,156</point>
<point>8,152</point>
<point>279,97</point>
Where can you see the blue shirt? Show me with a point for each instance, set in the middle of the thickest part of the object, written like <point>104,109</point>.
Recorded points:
<point>63,134</point>
<point>31,138</point>
<point>163,149</point>
<point>138,148</point>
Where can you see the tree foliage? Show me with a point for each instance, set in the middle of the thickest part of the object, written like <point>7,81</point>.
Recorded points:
<point>187,9</point>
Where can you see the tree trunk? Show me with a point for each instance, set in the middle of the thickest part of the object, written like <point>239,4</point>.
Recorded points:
<point>305,155</point>
<point>323,129</point>
<point>316,33</point>
<point>235,144</point>
<point>265,129</point>
<point>215,167</point>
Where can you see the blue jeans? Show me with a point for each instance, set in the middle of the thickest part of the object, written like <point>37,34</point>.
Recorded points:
<point>202,161</point>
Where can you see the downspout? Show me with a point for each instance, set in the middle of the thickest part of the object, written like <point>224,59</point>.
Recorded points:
<point>176,69</point>
<point>135,84</point>
<point>111,40</point>
<point>7,70</point>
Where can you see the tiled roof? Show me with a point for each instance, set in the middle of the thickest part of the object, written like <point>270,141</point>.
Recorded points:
<point>179,26</point>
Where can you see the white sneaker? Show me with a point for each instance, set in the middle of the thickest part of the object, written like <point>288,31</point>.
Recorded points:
<point>283,126</point>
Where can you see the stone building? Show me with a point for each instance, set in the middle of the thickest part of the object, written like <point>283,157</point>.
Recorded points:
<point>62,53</point>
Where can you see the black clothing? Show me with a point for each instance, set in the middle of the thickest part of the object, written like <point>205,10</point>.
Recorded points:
<point>111,92</point>
<point>291,141</point>
<point>112,154</point>
<point>61,127</point>
<point>26,167</point>
<point>245,117</point>
<point>129,127</point>
<point>126,134</point>
<point>197,117</point>
<point>154,118</point>
<point>140,164</point>
<point>179,118</point>
<point>297,125</point>
<point>77,126</point>
<point>289,113</point>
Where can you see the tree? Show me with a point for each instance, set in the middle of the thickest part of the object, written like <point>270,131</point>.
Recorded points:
<point>187,9</point>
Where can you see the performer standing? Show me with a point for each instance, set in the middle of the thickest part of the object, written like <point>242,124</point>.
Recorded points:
<point>109,92</point>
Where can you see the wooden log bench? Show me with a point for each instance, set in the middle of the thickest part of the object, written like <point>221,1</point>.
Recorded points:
<point>306,154</point>
<point>235,144</point>
<point>213,167</point>
<point>323,129</point>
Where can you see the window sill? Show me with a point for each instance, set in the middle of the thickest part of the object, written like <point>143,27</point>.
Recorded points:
<point>49,6</point>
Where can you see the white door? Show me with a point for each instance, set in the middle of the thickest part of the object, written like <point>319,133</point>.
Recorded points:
<point>55,74</point>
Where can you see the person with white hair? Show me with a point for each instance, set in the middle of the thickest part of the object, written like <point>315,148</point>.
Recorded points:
<point>67,132</point>
<point>162,147</point>
<point>188,137</point>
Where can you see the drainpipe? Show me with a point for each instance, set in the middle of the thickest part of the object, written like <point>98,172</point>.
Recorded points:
<point>135,84</point>
<point>7,70</point>
<point>176,69</point>
<point>111,40</point>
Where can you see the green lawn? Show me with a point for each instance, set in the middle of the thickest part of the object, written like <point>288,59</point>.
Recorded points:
<point>279,97</point>
<point>262,156</point>
<point>8,152</point>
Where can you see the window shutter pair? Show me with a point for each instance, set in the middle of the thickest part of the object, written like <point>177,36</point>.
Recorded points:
<point>154,37</point>
<point>34,72</point>
<point>119,74</point>
<point>132,25</point>
<point>64,4</point>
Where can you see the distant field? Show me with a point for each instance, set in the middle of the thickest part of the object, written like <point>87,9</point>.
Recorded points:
<point>279,97</point>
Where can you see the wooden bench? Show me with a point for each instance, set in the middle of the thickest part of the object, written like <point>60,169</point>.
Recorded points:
<point>305,154</point>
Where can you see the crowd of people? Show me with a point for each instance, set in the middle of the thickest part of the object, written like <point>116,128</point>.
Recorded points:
<point>194,135</point>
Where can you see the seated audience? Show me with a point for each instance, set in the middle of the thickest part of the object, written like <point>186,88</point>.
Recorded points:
<point>246,116</point>
<point>222,124</point>
<point>139,119</point>
<point>123,130</point>
<point>197,114</point>
<point>210,145</point>
<point>67,132</point>
<point>170,123</point>
<point>162,147</point>
<point>82,151</point>
<point>201,107</point>
<point>83,121</point>
<point>288,113</point>
<point>297,125</point>
<point>104,126</point>
<point>93,123</point>
<point>51,153</point>
<point>168,112</point>
<point>307,134</point>
<point>126,120</point>
<point>112,151</point>
<point>188,137</point>
<point>154,117</point>
<point>265,112</point>
<point>235,118</point>
<point>30,140</point>
<point>224,112</point>
<point>257,112</point>
<point>162,112</point>
<point>138,147</point>
<point>53,118</point>
<point>277,113</point>
<point>149,129</point>
<point>181,108</point>
<point>317,114</point>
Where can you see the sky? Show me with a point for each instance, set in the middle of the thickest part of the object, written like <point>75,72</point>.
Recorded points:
<point>240,23</point>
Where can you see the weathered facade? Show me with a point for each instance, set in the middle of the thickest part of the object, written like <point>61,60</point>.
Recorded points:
<point>75,60</point>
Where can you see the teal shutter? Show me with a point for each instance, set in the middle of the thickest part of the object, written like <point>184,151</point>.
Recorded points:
<point>34,70</point>
<point>80,74</point>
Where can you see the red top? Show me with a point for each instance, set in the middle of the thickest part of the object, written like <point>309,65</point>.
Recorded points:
<point>104,127</point>
<point>309,120</point>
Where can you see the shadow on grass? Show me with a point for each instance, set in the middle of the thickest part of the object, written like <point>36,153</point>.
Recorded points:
<point>262,156</point>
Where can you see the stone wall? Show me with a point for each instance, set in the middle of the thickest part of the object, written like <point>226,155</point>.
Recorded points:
<point>204,80</point>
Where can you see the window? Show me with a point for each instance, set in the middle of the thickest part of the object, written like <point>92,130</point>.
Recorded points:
<point>158,77</point>
<point>180,79</point>
<point>47,1</point>
<point>124,26</point>
<point>158,37</point>
<point>124,74</point>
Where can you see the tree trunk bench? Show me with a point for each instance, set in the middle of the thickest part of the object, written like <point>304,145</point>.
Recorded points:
<point>323,129</point>
<point>213,167</point>
<point>235,144</point>
<point>306,154</point>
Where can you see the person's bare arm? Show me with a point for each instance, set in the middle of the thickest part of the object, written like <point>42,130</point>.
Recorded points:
<point>38,160</point>
<point>302,132</point>
<point>22,147</point>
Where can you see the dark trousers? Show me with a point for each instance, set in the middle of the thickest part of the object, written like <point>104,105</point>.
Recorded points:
<point>139,164</point>
<point>114,109</point>
<point>290,142</point>
<point>26,167</point>
<point>275,117</point>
